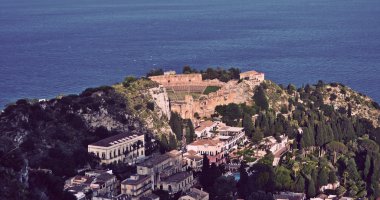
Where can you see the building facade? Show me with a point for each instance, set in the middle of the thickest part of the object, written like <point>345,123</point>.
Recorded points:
<point>125,147</point>
<point>181,181</point>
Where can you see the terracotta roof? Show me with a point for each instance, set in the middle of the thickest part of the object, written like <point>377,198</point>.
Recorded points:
<point>203,125</point>
<point>173,153</point>
<point>194,157</point>
<point>107,142</point>
<point>205,142</point>
<point>191,152</point>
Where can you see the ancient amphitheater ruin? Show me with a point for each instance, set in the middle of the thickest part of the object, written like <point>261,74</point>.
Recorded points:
<point>189,94</point>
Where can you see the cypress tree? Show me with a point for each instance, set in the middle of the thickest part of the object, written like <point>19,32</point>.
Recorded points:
<point>367,166</point>
<point>322,177</point>
<point>175,123</point>
<point>332,177</point>
<point>247,124</point>
<point>352,169</point>
<point>300,184</point>
<point>311,189</point>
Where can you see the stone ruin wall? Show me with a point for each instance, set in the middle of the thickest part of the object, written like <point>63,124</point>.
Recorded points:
<point>231,92</point>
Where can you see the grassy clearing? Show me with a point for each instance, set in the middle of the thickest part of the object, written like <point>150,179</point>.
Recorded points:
<point>210,89</point>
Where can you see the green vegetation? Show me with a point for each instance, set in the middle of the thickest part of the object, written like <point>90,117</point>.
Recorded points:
<point>155,72</point>
<point>332,146</point>
<point>215,73</point>
<point>210,89</point>
<point>55,135</point>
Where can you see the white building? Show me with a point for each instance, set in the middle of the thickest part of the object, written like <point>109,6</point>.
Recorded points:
<point>124,147</point>
<point>206,129</point>
<point>231,136</point>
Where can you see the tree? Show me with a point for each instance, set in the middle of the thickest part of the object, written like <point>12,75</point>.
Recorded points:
<point>128,80</point>
<point>190,132</point>
<point>242,185</point>
<point>323,177</point>
<point>283,180</point>
<point>203,178</point>
<point>369,145</point>
<point>336,147</point>
<point>300,184</point>
<point>352,170</point>
<point>332,177</point>
<point>311,189</point>
<point>260,99</point>
<point>257,136</point>
<point>247,124</point>
<point>267,159</point>
<point>155,72</point>
<point>175,123</point>
<point>367,166</point>
<point>231,113</point>
<point>224,188</point>
<point>188,70</point>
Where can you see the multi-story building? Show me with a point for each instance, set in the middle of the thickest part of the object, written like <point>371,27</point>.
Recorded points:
<point>213,148</point>
<point>217,147</point>
<point>181,181</point>
<point>195,194</point>
<point>152,172</point>
<point>96,183</point>
<point>205,129</point>
<point>193,160</point>
<point>231,136</point>
<point>136,185</point>
<point>125,147</point>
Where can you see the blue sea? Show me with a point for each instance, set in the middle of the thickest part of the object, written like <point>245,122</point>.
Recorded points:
<point>50,47</point>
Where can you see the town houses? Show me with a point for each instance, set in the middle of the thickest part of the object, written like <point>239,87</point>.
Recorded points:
<point>176,171</point>
<point>219,143</point>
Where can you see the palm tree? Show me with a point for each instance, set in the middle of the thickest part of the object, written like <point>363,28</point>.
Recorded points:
<point>345,175</point>
<point>296,168</point>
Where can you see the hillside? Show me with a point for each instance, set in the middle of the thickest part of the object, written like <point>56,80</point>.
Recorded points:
<point>340,97</point>
<point>43,143</point>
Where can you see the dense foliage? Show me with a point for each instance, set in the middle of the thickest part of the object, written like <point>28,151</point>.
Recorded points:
<point>329,145</point>
<point>49,140</point>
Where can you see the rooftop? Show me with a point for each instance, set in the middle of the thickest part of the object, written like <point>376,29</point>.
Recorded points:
<point>150,196</point>
<point>250,72</point>
<point>137,179</point>
<point>196,193</point>
<point>154,160</point>
<point>231,129</point>
<point>208,142</point>
<point>116,139</point>
<point>289,196</point>
<point>203,125</point>
<point>193,157</point>
<point>178,177</point>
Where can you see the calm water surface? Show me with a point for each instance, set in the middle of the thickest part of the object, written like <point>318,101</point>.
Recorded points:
<point>50,47</point>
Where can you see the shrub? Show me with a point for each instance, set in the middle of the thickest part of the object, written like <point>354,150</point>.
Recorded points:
<point>138,107</point>
<point>333,97</point>
<point>150,105</point>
